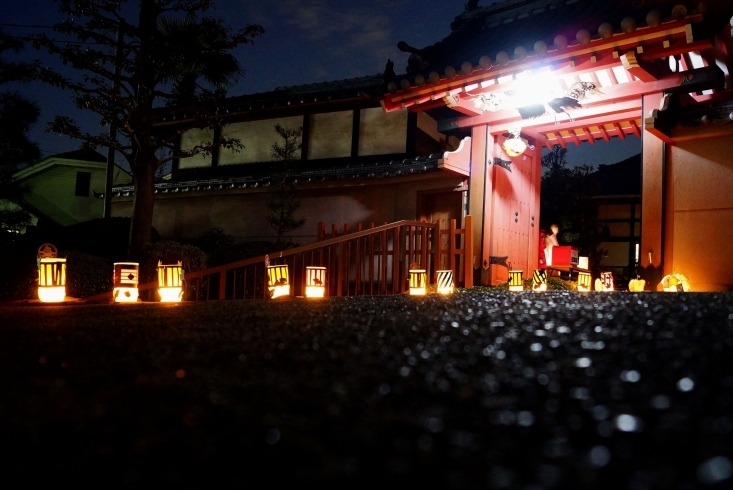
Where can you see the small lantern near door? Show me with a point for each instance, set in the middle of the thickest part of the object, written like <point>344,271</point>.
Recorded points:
<point>605,282</point>
<point>444,281</point>
<point>539,280</point>
<point>170,282</point>
<point>51,275</point>
<point>516,282</point>
<point>675,283</point>
<point>125,280</point>
<point>584,282</point>
<point>315,282</point>
<point>418,281</point>
<point>278,282</point>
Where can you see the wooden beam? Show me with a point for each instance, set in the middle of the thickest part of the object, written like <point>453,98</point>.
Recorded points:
<point>459,104</point>
<point>604,134</point>
<point>646,71</point>
<point>590,138</point>
<point>575,138</point>
<point>620,130</point>
<point>677,48</point>
<point>635,128</point>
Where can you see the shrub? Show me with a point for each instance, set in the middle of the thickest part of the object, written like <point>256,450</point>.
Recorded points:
<point>87,275</point>
<point>19,273</point>
<point>193,258</point>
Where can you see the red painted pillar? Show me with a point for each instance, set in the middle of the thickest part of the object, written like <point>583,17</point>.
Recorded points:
<point>652,200</point>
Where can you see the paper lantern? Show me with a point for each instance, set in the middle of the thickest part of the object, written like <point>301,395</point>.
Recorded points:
<point>445,282</point>
<point>607,281</point>
<point>515,281</point>
<point>583,263</point>
<point>539,280</point>
<point>675,283</point>
<point>278,282</point>
<point>51,279</point>
<point>170,282</point>
<point>584,280</point>
<point>125,281</point>
<point>418,282</point>
<point>514,147</point>
<point>315,282</point>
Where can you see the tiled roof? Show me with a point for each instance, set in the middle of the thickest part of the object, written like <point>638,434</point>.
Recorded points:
<point>620,179</point>
<point>513,23</point>
<point>393,168</point>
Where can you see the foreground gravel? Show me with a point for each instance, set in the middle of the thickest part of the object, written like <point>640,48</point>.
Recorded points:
<point>479,390</point>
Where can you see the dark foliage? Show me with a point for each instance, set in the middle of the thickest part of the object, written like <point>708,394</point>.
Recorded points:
<point>171,56</point>
<point>284,202</point>
<point>193,258</point>
<point>87,275</point>
<point>17,115</point>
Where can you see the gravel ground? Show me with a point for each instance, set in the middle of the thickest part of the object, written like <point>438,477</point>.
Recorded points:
<point>478,390</point>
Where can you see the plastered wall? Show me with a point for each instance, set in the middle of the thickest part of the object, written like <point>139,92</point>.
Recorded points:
<point>242,212</point>
<point>702,203</point>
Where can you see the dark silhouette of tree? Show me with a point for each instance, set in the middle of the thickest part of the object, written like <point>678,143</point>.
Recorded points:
<point>174,64</point>
<point>17,115</point>
<point>284,202</point>
<point>566,201</point>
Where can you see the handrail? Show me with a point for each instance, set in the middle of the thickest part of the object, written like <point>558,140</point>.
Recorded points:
<point>285,253</point>
<point>306,248</point>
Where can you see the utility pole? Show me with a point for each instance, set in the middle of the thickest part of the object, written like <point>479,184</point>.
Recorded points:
<point>113,131</point>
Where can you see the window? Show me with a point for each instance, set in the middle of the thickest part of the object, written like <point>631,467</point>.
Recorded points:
<point>83,179</point>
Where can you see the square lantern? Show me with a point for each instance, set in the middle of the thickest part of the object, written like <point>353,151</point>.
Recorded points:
<point>584,282</point>
<point>516,282</point>
<point>418,282</point>
<point>51,279</point>
<point>125,280</point>
<point>539,280</point>
<point>583,263</point>
<point>278,282</point>
<point>445,281</point>
<point>170,283</point>
<point>607,281</point>
<point>315,282</point>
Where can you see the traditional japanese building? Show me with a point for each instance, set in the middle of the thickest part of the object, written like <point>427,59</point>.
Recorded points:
<point>462,131</point>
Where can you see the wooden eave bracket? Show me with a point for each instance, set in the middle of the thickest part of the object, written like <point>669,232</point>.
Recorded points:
<point>458,161</point>
<point>659,126</point>
<point>646,71</point>
<point>459,104</point>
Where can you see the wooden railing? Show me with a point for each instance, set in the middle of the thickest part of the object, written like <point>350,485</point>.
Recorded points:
<point>373,261</point>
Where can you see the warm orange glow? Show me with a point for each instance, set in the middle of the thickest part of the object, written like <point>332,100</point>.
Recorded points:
<point>584,280</point>
<point>125,282</point>
<point>418,282</point>
<point>51,280</point>
<point>445,284</point>
<point>515,281</point>
<point>315,282</point>
<point>278,282</point>
<point>606,281</point>
<point>170,283</point>
<point>539,280</point>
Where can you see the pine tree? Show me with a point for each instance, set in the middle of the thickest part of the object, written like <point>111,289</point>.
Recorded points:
<point>284,202</point>
<point>173,65</point>
<point>17,115</point>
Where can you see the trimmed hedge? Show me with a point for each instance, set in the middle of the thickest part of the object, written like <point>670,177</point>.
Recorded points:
<point>87,275</point>
<point>193,258</point>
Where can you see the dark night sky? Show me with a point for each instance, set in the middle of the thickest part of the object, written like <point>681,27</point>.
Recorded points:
<point>306,41</point>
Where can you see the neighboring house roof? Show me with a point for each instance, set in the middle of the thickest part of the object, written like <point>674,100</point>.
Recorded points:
<point>79,158</point>
<point>505,26</point>
<point>84,154</point>
<point>392,168</point>
<point>619,179</point>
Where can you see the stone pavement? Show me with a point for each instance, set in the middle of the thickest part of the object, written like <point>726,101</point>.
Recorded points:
<point>478,390</point>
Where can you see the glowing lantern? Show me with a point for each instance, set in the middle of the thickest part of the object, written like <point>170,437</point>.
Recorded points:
<point>418,282</point>
<point>278,282</point>
<point>583,263</point>
<point>606,281</point>
<point>539,280</point>
<point>445,281</point>
<point>584,280</point>
<point>515,281</point>
<point>636,285</point>
<point>675,283</point>
<point>170,283</point>
<point>51,275</point>
<point>515,145</point>
<point>315,282</point>
<point>126,276</point>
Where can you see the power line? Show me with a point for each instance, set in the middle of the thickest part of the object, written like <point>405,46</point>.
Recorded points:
<point>57,41</point>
